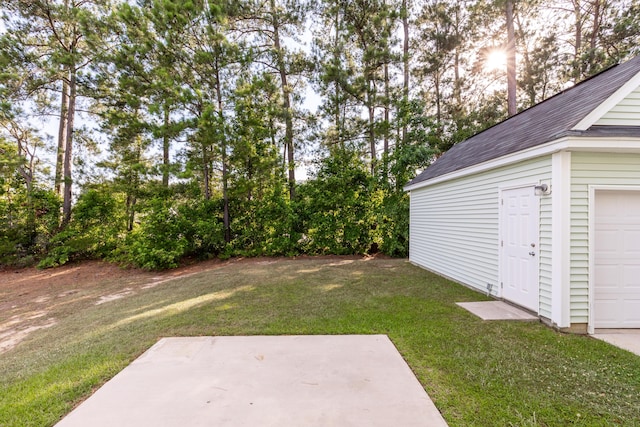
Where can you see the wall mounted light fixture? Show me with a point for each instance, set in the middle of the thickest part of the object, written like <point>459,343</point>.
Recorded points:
<point>542,190</point>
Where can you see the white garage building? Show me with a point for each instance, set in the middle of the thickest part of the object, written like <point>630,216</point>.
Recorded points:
<point>543,209</point>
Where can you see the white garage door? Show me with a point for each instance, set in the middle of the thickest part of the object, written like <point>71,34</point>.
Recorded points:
<point>617,259</point>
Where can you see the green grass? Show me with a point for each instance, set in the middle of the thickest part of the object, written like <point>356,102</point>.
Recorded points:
<point>478,373</point>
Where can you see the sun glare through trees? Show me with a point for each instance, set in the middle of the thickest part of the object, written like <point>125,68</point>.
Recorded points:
<point>496,60</point>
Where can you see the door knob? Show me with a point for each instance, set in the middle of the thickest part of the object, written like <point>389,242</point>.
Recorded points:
<point>532,253</point>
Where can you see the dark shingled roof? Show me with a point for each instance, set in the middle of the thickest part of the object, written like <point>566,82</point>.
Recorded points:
<point>544,122</point>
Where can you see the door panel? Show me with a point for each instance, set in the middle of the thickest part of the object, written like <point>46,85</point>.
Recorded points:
<point>617,259</point>
<point>519,243</point>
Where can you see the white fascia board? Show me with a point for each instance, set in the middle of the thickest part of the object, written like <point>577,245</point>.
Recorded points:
<point>608,103</point>
<point>608,144</point>
<point>519,156</point>
<point>570,143</point>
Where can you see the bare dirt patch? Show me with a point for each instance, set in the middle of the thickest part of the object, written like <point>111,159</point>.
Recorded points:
<point>32,299</point>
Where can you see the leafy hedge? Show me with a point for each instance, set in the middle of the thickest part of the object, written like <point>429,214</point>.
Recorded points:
<point>342,210</point>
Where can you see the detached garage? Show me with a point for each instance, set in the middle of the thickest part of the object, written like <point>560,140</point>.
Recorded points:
<point>543,209</point>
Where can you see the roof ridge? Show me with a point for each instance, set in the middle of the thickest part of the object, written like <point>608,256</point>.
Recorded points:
<point>557,94</point>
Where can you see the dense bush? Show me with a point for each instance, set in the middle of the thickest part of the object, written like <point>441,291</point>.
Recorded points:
<point>168,230</point>
<point>28,220</point>
<point>96,230</point>
<point>342,210</point>
<point>393,223</point>
<point>338,208</point>
<point>265,226</point>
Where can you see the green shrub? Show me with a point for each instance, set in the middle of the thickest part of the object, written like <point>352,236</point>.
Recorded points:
<point>337,208</point>
<point>265,226</point>
<point>94,231</point>
<point>27,223</point>
<point>169,230</point>
<point>393,224</point>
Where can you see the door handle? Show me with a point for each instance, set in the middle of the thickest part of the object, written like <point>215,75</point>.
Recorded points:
<point>532,253</point>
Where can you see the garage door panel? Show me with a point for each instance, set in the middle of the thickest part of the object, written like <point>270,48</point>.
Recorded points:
<point>631,279</point>
<point>607,241</point>
<point>608,312</point>
<point>631,206</point>
<point>607,209</point>
<point>631,242</point>
<point>630,313</point>
<point>606,276</point>
<point>616,272</point>
<point>618,313</point>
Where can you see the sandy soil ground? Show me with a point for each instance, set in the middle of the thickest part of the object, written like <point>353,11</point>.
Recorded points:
<point>32,299</point>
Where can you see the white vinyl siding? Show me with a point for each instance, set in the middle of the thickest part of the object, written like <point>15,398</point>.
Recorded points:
<point>625,113</point>
<point>454,226</point>
<point>591,169</point>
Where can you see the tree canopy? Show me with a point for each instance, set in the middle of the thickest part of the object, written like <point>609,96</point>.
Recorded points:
<point>147,131</point>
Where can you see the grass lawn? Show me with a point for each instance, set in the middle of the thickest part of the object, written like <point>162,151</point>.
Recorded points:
<point>478,373</point>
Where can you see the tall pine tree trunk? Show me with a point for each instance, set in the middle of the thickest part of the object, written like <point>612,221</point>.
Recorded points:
<point>457,85</point>
<point>595,30</point>
<point>596,25</point>
<point>165,147</point>
<point>577,69</point>
<point>62,136</point>
<point>529,86</point>
<point>131,211</point>
<point>225,195</point>
<point>286,101</point>
<point>511,61</point>
<point>438,94</point>
<point>387,107</point>
<point>405,64</point>
<point>371,130</point>
<point>226,221</point>
<point>68,149</point>
<point>206,173</point>
<point>337,103</point>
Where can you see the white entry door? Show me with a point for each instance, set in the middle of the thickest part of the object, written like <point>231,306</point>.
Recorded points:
<point>617,259</point>
<point>520,212</point>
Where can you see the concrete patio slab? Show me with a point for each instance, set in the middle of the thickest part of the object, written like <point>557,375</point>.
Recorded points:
<point>262,381</point>
<point>496,310</point>
<point>628,339</point>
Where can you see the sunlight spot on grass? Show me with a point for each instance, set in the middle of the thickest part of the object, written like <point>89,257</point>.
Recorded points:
<point>43,388</point>
<point>309,270</point>
<point>185,305</point>
<point>137,310</point>
<point>226,306</point>
<point>343,262</point>
<point>327,288</point>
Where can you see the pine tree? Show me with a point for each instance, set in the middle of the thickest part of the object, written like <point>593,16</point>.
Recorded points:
<point>271,22</point>
<point>53,38</point>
